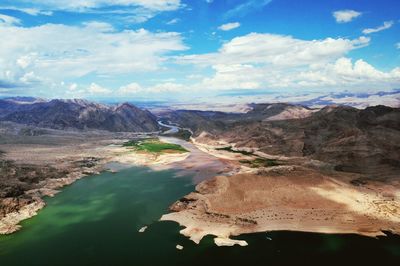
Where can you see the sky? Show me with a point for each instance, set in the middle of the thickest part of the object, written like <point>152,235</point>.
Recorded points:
<point>181,50</point>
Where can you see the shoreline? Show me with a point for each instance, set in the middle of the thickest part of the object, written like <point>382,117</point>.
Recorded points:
<point>10,223</point>
<point>295,196</point>
<point>246,200</point>
<point>114,152</point>
<point>214,210</point>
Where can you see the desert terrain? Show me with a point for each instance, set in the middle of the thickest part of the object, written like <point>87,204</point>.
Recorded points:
<point>40,164</point>
<point>276,167</point>
<point>333,170</point>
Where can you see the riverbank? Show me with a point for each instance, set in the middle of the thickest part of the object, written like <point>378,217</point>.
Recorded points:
<point>96,221</point>
<point>286,199</point>
<point>75,158</point>
<point>60,162</point>
<point>295,196</point>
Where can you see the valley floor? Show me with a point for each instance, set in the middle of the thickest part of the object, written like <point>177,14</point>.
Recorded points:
<point>233,197</point>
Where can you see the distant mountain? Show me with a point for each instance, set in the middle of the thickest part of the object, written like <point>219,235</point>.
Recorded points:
<point>77,114</point>
<point>212,121</point>
<point>353,140</point>
<point>24,99</point>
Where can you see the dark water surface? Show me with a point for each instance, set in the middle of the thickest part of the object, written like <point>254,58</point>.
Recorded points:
<point>95,221</point>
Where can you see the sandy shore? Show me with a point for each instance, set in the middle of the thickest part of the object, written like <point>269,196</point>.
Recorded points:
<point>292,197</point>
<point>287,198</point>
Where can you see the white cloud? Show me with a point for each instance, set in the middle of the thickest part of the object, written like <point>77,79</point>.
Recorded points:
<point>79,5</point>
<point>398,45</point>
<point>344,73</point>
<point>386,25</point>
<point>9,21</point>
<point>97,89</point>
<point>135,88</point>
<point>60,52</point>
<point>277,50</point>
<point>338,75</point>
<point>73,87</point>
<point>246,7</point>
<point>131,11</point>
<point>267,61</point>
<point>131,88</point>
<point>229,26</point>
<point>166,87</point>
<point>173,21</point>
<point>29,10</point>
<point>344,16</point>
<point>237,76</point>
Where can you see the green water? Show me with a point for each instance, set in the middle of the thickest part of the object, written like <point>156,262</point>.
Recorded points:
<point>95,221</point>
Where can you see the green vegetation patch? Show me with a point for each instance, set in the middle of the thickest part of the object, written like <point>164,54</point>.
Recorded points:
<point>260,162</point>
<point>229,148</point>
<point>154,145</point>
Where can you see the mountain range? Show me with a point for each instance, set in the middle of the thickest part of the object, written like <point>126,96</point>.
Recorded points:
<point>352,140</point>
<point>77,114</point>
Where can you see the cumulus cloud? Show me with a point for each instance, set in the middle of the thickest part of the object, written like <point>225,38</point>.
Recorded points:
<point>277,50</point>
<point>166,87</point>
<point>135,88</point>
<point>267,61</point>
<point>344,16</point>
<point>58,52</point>
<point>229,26</point>
<point>398,45</point>
<point>344,73</point>
<point>131,88</point>
<point>386,25</point>
<point>97,89</point>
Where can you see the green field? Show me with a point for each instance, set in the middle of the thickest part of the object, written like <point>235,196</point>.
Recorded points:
<point>154,145</point>
<point>260,162</point>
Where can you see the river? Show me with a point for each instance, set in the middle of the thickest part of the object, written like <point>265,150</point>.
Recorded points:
<point>95,221</point>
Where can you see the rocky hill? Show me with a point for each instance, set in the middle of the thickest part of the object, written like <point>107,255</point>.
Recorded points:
<point>78,114</point>
<point>214,122</point>
<point>352,140</point>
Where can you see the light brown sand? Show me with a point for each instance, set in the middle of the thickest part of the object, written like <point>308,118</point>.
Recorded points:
<point>288,198</point>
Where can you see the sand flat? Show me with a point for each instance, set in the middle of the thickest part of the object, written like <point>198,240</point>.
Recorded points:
<point>287,198</point>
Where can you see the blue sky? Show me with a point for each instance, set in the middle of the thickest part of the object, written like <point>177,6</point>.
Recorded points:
<point>183,50</point>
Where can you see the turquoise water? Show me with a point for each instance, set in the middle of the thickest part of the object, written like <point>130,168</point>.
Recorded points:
<point>95,221</point>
